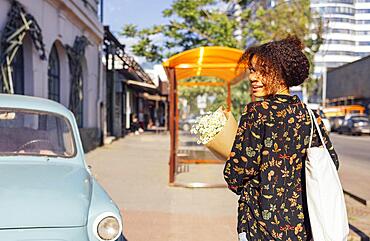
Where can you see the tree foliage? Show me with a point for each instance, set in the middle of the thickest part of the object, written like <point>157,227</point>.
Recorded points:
<point>195,23</point>
<point>192,23</point>
<point>290,17</point>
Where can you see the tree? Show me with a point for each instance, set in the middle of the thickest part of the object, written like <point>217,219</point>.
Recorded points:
<point>290,17</point>
<point>191,93</point>
<point>195,23</point>
<point>192,23</point>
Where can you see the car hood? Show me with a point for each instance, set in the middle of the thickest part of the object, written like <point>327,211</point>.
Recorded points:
<point>43,195</point>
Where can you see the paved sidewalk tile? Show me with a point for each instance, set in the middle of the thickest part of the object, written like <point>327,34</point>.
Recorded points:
<point>134,171</point>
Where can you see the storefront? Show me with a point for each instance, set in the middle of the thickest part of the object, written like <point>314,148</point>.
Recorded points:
<point>131,93</point>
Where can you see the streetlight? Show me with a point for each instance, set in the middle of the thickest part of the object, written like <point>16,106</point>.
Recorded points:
<point>101,10</point>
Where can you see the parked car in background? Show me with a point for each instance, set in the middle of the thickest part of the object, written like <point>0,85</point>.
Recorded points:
<point>357,124</point>
<point>46,190</point>
<point>186,124</point>
<point>318,109</point>
<point>337,114</point>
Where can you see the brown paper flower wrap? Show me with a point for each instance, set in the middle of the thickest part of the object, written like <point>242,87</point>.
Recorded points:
<point>222,143</point>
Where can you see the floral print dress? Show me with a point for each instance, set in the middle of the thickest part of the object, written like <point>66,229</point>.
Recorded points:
<point>266,168</point>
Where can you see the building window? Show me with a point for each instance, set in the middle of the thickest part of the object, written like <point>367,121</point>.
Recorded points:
<point>332,1</point>
<point>363,32</point>
<point>336,10</point>
<point>364,43</point>
<point>339,41</point>
<point>333,52</point>
<point>362,11</point>
<point>54,75</point>
<point>18,72</point>
<point>345,31</point>
<point>330,19</point>
<point>363,21</point>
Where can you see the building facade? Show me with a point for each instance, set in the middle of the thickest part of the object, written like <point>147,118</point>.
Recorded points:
<point>350,88</point>
<point>57,56</point>
<point>346,32</point>
<point>132,93</point>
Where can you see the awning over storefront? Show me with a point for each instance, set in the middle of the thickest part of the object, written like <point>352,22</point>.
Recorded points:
<point>142,86</point>
<point>154,97</point>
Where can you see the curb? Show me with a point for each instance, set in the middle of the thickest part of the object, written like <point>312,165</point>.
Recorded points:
<point>362,235</point>
<point>357,198</point>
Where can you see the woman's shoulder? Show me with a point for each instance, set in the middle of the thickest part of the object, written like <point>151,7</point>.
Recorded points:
<point>261,106</point>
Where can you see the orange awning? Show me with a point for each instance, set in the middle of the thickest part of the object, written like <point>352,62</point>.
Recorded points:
<point>215,61</point>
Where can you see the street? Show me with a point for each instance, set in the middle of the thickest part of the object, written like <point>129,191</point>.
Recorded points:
<point>352,149</point>
<point>354,161</point>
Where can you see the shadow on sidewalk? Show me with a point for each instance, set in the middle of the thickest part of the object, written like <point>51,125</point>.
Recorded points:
<point>122,238</point>
<point>362,235</point>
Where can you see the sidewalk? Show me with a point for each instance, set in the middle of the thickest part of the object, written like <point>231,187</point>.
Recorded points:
<point>134,171</point>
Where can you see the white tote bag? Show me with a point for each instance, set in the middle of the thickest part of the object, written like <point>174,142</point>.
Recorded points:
<point>325,199</point>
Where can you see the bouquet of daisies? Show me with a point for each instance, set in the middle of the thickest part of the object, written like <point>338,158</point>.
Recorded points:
<point>216,131</point>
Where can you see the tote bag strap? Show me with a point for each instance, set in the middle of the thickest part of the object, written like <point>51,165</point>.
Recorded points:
<point>314,121</point>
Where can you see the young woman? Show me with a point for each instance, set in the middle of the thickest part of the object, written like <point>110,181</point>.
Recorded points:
<point>267,161</point>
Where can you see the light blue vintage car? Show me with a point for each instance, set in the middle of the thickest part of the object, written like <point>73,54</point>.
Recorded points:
<point>46,190</point>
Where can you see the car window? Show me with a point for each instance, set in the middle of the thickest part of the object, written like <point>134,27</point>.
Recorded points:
<point>24,132</point>
<point>356,120</point>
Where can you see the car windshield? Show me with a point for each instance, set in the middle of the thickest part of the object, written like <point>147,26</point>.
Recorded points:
<point>359,119</point>
<point>36,133</point>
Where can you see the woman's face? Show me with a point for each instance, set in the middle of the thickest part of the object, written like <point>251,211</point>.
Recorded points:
<point>257,80</point>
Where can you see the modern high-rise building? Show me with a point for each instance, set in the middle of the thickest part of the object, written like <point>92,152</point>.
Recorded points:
<point>346,32</point>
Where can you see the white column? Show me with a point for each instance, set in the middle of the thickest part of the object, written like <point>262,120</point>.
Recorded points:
<point>128,109</point>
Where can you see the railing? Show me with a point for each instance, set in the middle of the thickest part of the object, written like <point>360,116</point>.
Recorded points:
<point>128,61</point>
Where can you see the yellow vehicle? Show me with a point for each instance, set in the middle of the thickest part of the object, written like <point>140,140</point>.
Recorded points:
<point>343,110</point>
<point>337,114</point>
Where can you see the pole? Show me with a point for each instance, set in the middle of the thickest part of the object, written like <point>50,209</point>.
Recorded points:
<point>101,10</point>
<point>172,126</point>
<point>228,96</point>
<point>324,84</point>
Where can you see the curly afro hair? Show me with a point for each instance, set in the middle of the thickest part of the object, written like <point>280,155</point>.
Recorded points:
<point>280,62</point>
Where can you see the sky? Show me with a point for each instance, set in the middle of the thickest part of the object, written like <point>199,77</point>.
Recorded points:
<point>143,13</point>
